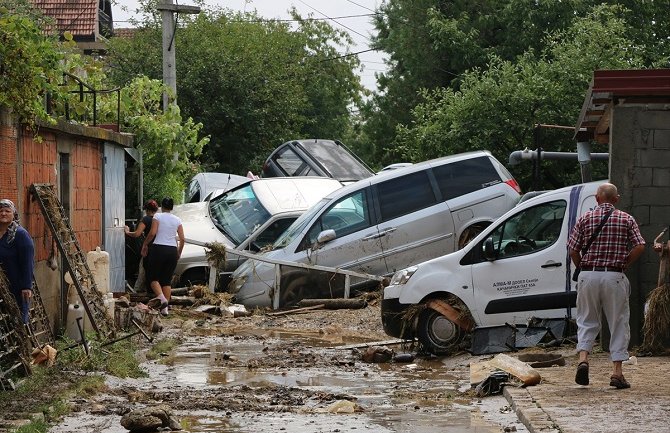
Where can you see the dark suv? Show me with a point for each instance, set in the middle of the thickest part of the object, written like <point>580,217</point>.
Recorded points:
<point>316,157</point>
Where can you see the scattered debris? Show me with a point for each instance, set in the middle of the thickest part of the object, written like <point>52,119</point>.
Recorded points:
<point>656,326</point>
<point>377,354</point>
<point>479,371</point>
<point>44,355</point>
<point>150,419</point>
<point>493,384</point>
<point>335,304</point>
<point>296,310</point>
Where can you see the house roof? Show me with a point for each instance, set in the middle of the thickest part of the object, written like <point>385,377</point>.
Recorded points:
<point>79,17</point>
<point>125,32</point>
<point>610,88</point>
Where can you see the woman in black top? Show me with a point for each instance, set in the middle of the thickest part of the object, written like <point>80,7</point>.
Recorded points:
<point>143,228</point>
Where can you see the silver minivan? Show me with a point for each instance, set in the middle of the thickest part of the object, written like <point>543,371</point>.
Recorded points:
<point>387,222</point>
<point>248,217</point>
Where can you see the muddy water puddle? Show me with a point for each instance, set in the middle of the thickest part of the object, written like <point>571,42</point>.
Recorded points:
<point>334,389</point>
<point>418,397</point>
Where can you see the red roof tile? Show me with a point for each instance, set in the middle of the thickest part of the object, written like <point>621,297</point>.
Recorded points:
<point>125,32</point>
<point>79,17</point>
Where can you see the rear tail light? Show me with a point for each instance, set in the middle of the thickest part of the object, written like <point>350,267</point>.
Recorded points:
<point>514,184</point>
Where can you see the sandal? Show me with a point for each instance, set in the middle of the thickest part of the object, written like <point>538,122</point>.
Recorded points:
<point>619,382</point>
<point>582,376</point>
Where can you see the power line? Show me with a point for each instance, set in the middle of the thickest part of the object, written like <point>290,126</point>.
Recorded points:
<point>288,20</point>
<point>347,55</point>
<point>360,5</point>
<point>340,24</point>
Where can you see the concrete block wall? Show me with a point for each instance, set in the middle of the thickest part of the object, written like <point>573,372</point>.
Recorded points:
<point>640,167</point>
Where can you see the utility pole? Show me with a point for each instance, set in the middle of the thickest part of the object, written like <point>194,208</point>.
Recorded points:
<point>168,10</point>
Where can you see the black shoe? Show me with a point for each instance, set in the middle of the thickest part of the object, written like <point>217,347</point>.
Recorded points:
<point>582,376</point>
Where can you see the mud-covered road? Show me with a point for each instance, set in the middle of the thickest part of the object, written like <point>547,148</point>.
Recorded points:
<point>295,372</point>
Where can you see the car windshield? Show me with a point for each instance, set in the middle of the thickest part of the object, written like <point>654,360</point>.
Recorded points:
<point>238,213</point>
<point>298,225</point>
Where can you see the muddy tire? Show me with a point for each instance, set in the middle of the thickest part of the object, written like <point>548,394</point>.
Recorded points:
<point>437,334</point>
<point>194,277</point>
<point>294,291</point>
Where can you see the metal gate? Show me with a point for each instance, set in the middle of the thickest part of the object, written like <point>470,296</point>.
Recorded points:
<point>114,215</point>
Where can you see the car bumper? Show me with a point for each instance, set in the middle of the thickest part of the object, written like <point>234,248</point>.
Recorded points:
<point>392,312</point>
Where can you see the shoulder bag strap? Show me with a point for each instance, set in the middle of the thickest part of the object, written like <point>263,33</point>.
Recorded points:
<point>597,231</point>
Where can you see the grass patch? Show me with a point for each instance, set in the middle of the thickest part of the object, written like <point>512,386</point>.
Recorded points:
<point>37,426</point>
<point>48,390</point>
<point>117,359</point>
<point>165,345</point>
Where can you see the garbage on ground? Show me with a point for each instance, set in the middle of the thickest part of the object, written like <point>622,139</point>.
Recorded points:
<point>344,406</point>
<point>493,384</point>
<point>150,419</point>
<point>403,357</point>
<point>235,310</point>
<point>377,354</point>
<point>480,371</point>
<point>44,355</point>
<point>508,338</point>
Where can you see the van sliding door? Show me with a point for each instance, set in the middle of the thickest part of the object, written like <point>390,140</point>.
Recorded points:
<point>414,226</point>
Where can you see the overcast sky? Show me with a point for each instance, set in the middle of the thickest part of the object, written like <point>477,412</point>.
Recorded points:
<point>347,15</point>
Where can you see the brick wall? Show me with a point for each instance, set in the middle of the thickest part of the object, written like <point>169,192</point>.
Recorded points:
<point>86,212</point>
<point>26,159</point>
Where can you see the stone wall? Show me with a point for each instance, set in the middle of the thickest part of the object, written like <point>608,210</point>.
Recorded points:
<point>640,167</point>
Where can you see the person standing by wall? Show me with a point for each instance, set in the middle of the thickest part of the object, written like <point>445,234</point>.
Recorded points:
<point>17,256</point>
<point>602,284</point>
<point>163,251</point>
<point>143,228</point>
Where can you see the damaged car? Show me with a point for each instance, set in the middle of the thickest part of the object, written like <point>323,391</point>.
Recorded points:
<point>382,224</point>
<point>249,217</point>
<point>516,272</point>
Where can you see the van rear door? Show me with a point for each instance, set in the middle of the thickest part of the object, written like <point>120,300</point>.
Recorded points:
<point>414,226</point>
<point>527,278</point>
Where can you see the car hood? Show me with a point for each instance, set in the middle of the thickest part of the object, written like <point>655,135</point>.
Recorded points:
<point>198,226</point>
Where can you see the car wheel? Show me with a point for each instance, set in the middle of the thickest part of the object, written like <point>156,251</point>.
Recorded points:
<point>194,277</point>
<point>293,292</point>
<point>437,334</point>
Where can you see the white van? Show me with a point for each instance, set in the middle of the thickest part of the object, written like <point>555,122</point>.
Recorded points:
<point>248,217</point>
<point>515,270</point>
<point>386,222</point>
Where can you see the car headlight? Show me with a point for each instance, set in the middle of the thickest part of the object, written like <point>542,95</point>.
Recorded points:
<point>402,276</point>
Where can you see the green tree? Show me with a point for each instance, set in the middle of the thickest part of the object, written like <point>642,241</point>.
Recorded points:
<point>496,107</point>
<point>455,37</point>
<point>252,83</point>
<point>168,142</point>
<point>29,62</point>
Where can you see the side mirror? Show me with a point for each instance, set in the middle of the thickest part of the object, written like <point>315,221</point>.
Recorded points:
<point>324,237</point>
<point>489,250</point>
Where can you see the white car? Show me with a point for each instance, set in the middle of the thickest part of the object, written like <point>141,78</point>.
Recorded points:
<point>205,186</point>
<point>249,217</point>
<point>384,223</point>
<point>516,269</point>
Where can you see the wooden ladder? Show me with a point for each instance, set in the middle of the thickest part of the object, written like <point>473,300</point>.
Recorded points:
<point>75,259</point>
